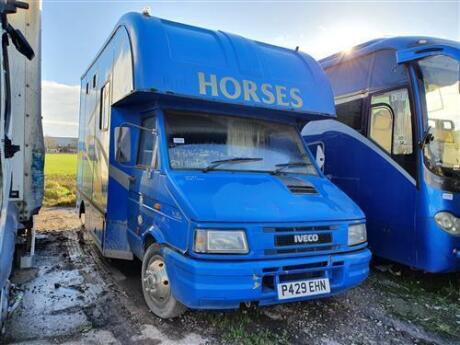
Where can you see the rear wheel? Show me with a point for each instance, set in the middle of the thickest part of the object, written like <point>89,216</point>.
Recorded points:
<point>156,285</point>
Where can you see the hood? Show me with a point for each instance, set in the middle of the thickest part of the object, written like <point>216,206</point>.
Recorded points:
<point>257,197</point>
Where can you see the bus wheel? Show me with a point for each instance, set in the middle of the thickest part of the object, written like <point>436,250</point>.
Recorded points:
<point>156,285</point>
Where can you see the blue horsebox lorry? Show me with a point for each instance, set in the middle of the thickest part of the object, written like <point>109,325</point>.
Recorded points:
<point>396,147</point>
<point>191,159</point>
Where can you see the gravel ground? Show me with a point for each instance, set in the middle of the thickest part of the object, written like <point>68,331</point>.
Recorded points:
<point>74,296</point>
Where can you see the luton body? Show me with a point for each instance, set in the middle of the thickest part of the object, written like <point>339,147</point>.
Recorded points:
<point>396,147</point>
<point>191,159</point>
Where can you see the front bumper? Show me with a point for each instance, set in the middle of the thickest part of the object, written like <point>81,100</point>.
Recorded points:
<point>200,284</point>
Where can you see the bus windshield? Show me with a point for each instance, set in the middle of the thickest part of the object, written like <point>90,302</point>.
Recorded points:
<point>217,142</point>
<point>442,92</point>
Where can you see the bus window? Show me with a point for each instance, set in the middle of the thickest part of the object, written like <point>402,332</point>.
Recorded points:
<point>350,113</point>
<point>398,100</point>
<point>381,125</point>
<point>441,76</point>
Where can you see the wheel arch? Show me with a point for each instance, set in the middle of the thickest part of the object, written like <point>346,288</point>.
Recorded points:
<point>151,236</point>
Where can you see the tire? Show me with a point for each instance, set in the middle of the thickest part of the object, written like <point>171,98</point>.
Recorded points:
<point>156,287</point>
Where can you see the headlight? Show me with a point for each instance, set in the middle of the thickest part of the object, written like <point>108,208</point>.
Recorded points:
<point>357,234</point>
<point>220,241</point>
<point>448,222</point>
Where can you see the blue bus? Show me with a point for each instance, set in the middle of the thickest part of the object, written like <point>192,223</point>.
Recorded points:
<point>190,159</point>
<point>395,148</point>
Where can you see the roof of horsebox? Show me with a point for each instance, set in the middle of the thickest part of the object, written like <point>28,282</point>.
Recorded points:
<point>177,59</point>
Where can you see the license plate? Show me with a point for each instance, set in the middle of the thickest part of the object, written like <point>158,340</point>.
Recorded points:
<point>303,288</point>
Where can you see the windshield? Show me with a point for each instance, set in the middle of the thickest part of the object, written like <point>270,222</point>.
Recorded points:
<point>442,90</point>
<point>216,142</point>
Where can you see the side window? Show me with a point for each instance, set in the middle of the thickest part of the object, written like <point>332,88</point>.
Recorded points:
<point>381,126</point>
<point>104,115</point>
<point>147,156</point>
<point>398,100</point>
<point>350,113</point>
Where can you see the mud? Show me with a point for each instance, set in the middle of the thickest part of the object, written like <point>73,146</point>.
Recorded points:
<point>74,296</point>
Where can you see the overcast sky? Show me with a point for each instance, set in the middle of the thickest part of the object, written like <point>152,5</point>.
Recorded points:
<point>74,31</point>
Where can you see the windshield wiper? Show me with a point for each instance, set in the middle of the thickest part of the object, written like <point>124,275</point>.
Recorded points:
<point>282,166</point>
<point>215,164</point>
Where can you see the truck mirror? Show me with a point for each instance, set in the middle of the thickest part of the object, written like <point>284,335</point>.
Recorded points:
<point>317,149</point>
<point>320,157</point>
<point>123,144</point>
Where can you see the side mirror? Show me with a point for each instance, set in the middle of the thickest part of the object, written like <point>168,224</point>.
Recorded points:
<point>320,157</point>
<point>20,42</point>
<point>123,144</point>
<point>317,149</point>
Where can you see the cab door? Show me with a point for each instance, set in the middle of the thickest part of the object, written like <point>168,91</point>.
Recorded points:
<point>391,219</point>
<point>143,178</point>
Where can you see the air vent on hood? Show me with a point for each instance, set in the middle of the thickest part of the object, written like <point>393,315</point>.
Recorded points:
<point>297,185</point>
<point>303,189</point>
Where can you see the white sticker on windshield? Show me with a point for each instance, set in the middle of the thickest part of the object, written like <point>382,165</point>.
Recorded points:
<point>178,140</point>
<point>447,196</point>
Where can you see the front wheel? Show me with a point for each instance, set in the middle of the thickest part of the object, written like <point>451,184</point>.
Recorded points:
<point>156,285</point>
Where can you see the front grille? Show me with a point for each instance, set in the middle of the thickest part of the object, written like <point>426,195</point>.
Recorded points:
<point>301,229</point>
<point>298,250</point>
<point>296,240</point>
<point>305,266</point>
<point>308,266</point>
<point>313,239</point>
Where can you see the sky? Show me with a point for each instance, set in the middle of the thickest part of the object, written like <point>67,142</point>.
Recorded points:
<point>73,31</point>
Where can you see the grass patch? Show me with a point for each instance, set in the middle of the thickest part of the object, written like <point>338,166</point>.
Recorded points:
<point>429,300</point>
<point>62,164</point>
<point>244,328</point>
<point>60,179</point>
